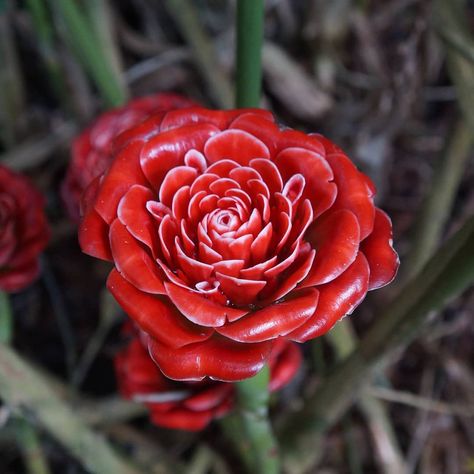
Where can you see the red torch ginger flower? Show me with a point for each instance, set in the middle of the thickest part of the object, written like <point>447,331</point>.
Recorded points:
<point>190,406</point>
<point>24,231</point>
<point>228,232</point>
<point>91,149</point>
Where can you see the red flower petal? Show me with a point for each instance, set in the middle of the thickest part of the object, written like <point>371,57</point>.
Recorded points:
<point>239,290</point>
<point>275,320</point>
<point>353,192</point>
<point>200,310</point>
<point>175,179</point>
<point>264,128</point>
<point>335,237</point>
<point>166,150</point>
<point>377,247</point>
<point>235,145</point>
<point>318,175</point>
<point>285,367</point>
<point>124,172</point>
<point>133,262</point>
<point>94,236</point>
<point>153,316</point>
<point>133,214</point>
<point>182,418</point>
<point>209,398</point>
<point>218,357</point>
<point>336,299</point>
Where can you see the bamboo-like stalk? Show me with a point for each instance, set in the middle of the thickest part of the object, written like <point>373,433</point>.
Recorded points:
<point>445,276</point>
<point>437,205</point>
<point>249,51</point>
<point>27,393</point>
<point>252,399</point>
<point>344,340</point>
<point>252,394</point>
<point>46,47</point>
<point>86,45</point>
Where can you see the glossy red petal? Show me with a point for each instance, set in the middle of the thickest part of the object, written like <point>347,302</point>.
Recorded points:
<point>167,149</point>
<point>319,188</point>
<point>133,262</point>
<point>239,290</point>
<point>209,398</point>
<point>353,192</point>
<point>295,138</point>
<point>218,357</point>
<point>292,277</point>
<point>287,364</point>
<point>201,310</point>
<point>278,319</point>
<point>94,236</point>
<point>336,240</point>
<point>175,179</point>
<point>264,128</point>
<point>133,214</point>
<point>336,299</point>
<point>182,419</point>
<point>235,145</point>
<point>157,318</point>
<point>377,248</point>
<point>124,172</point>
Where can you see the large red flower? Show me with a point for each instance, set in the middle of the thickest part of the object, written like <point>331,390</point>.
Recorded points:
<point>24,231</point>
<point>228,232</point>
<point>91,149</point>
<point>189,406</point>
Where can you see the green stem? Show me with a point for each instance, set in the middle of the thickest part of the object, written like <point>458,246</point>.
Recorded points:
<point>47,49</point>
<point>438,203</point>
<point>252,400</point>
<point>35,462</point>
<point>26,434</point>
<point>449,272</point>
<point>25,390</point>
<point>84,41</point>
<point>250,23</point>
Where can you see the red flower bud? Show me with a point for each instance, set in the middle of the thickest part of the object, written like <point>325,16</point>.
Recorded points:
<point>24,231</point>
<point>228,232</point>
<point>91,149</point>
<point>189,406</point>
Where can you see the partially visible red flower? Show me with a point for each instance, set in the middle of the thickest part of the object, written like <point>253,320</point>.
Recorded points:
<point>189,406</point>
<point>228,232</point>
<point>91,149</point>
<point>24,231</point>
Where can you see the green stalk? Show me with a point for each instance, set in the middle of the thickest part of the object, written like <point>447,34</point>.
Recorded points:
<point>250,23</point>
<point>46,46</point>
<point>447,274</point>
<point>84,41</point>
<point>252,394</point>
<point>27,392</point>
<point>26,435</point>
<point>253,398</point>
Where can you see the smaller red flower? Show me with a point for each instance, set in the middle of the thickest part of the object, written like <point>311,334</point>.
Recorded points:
<point>24,231</point>
<point>189,406</point>
<point>91,149</point>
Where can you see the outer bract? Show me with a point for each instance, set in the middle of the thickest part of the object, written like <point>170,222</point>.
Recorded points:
<point>24,231</point>
<point>189,406</point>
<point>91,149</point>
<point>228,232</point>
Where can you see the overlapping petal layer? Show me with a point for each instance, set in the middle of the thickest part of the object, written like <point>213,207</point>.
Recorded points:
<point>189,406</point>
<point>91,150</point>
<point>228,234</point>
<point>24,231</point>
